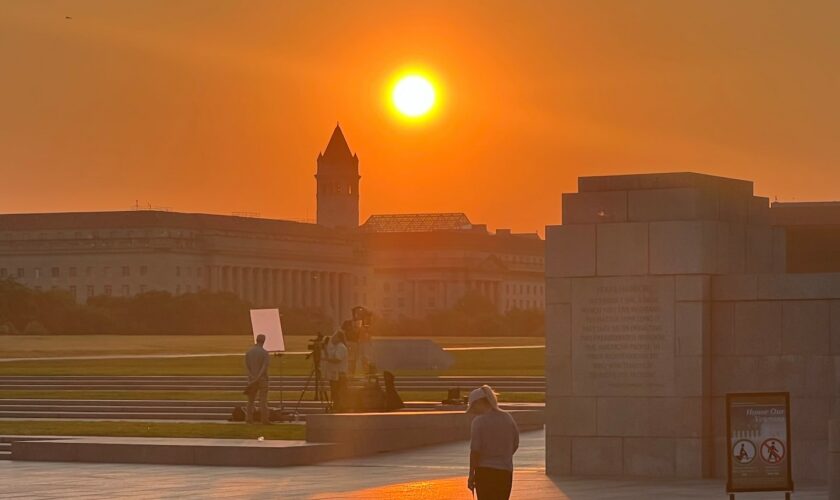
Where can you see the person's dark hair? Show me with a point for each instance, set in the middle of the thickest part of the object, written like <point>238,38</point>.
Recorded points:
<point>261,339</point>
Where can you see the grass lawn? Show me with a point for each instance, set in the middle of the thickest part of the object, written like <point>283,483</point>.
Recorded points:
<point>152,429</point>
<point>480,362</point>
<point>536,397</point>
<point>31,346</point>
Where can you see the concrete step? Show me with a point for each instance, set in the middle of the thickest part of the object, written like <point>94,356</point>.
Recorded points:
<point>5,446</point>
<point>113,416</point>
<point>5,455</point>
<point>234,378</point>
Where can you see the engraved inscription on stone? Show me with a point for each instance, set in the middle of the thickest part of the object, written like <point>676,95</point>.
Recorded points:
<point>623,336</point>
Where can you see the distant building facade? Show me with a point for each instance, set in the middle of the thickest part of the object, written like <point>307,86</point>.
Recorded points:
<point>396,265</point>
<point>423,263</point>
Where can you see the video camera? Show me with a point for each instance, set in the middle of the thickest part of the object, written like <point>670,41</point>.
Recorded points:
<point>361,316</point>
<point>314,347</point>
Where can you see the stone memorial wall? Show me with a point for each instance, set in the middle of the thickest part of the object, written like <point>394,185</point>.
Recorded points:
<point>665,292</point>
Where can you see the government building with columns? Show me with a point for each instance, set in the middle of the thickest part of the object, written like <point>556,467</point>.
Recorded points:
<point>396,265</point>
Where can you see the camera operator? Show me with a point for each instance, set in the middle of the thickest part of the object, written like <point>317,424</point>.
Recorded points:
<point>335,355</point>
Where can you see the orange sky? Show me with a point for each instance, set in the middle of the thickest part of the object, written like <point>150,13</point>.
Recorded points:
<point>223,106</point>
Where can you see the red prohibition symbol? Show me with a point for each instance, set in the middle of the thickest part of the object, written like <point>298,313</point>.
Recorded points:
<point>772,451</point>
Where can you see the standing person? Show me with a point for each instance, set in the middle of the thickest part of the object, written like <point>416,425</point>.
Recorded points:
<point>494,440</point>
<point>336,353</point>
<point>256,362</point>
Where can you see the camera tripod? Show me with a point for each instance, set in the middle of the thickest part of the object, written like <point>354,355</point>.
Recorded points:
<point>320,391</point>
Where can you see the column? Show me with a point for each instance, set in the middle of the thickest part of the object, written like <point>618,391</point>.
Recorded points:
<point>225,280</point>
<point>256,286</point>
<point>325,293</point>
<point>286,278</point>
<point>275,287</point>
<point>247,284</point>
<point>297,287</point>
<point>334,299</point>
<point>236,278</point>
<point>316,289</point>
<point>306,289</point>
<point>345,295</point>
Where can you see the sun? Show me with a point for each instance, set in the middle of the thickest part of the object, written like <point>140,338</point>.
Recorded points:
<point>413,96</point>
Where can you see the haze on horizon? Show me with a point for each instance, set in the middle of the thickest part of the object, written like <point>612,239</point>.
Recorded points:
<point>224,106</point>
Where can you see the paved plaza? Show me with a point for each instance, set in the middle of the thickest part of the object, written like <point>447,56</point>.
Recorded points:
<point>436,472</point>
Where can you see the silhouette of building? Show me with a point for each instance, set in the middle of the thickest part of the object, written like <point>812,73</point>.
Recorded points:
<point>397,265</point>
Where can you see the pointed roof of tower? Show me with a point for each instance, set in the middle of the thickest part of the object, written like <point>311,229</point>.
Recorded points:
<point>337,149</point>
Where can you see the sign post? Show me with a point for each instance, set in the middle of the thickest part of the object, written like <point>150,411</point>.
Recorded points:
<point>758,439</point>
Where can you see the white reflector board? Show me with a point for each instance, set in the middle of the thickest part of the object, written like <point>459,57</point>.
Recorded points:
<point>267,322</point>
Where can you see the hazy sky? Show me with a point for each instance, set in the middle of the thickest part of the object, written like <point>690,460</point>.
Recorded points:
<point>223,106</point>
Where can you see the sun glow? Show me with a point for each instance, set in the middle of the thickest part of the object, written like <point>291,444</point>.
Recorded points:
<point>413,96</point>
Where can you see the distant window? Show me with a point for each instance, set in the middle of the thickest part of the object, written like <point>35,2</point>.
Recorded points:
<point>126,291</point>
<point>144,270</point>
<point>20,272</point>
<point>108,290</point>
<point>73,291</point>
<point>2,272</point>
<point>126,271</point>
<point>72,272</point>
<point>55,272</point>
<point>37,273</point>
<point>90,291</point>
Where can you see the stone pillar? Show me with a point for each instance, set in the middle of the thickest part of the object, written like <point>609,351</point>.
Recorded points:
<point>317,285</point>
<point>334,312</point>
<point>225,279</point>
<point>834,459</point>
<point>629,273</point>
<point>345,296</point>
<point>325,293</point>
<point>257,286</point>
<point>298,288</point>
<point>286,287</point>
<point>236,279</point>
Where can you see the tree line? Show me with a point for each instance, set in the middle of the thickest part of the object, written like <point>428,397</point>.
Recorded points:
<point>27,311</point>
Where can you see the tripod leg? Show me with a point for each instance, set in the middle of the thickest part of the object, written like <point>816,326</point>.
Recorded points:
<point>305,387</point>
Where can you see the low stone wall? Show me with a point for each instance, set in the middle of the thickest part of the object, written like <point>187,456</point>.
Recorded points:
<point>175,451</point>
<point>378,432</point>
